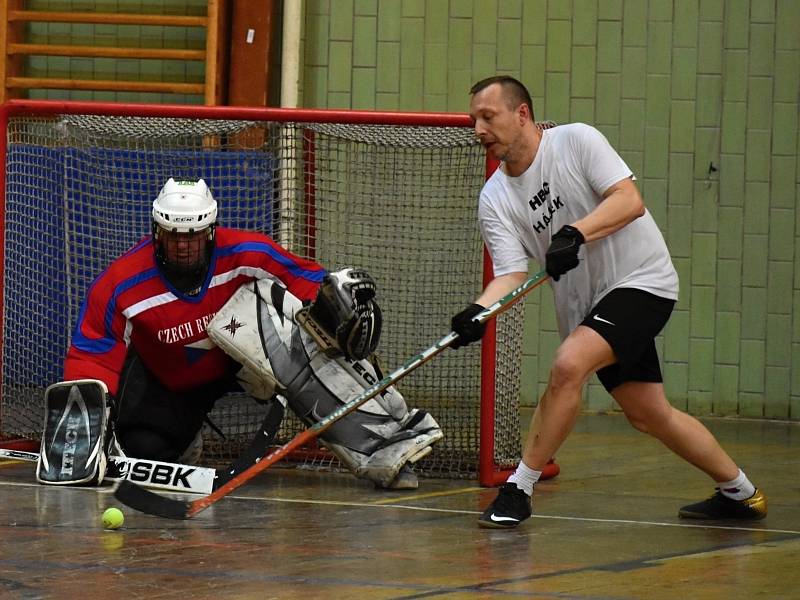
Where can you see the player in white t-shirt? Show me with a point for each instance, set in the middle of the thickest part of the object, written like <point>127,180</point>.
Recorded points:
<point>564,197</point>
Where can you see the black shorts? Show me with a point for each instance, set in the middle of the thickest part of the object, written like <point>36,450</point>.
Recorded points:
<point>155,423</point>
<point>629,320</point>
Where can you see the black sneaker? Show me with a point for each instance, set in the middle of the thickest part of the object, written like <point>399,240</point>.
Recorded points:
<point>510,508</point>
<point>719,506</point>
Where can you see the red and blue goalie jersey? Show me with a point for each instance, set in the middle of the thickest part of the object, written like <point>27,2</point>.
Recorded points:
<point>131,303</point>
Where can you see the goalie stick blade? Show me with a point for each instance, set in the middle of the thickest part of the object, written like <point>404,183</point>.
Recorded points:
<point>138,498</point>
<point>150,473</point>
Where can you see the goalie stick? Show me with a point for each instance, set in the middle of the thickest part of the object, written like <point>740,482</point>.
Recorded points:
<point>148,502</point>
<point>155,474</point>
<point>178,477</point>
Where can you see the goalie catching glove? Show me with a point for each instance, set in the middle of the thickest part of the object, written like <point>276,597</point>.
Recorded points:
<point>344,317</point>
<point>376,440</point>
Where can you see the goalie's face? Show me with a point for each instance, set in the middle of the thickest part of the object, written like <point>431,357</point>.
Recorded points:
<point>184,256</point>
<point>185,250</point>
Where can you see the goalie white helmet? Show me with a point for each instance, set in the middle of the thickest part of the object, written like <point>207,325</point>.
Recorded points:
<point>184,219</point>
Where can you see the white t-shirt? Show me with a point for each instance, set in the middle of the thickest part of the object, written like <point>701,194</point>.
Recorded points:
<point>572,169</point>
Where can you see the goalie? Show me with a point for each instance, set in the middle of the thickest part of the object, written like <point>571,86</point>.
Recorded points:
<point>143,370</point>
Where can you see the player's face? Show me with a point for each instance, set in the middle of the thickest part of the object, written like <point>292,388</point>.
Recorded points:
<point>185,249</point>
<point>497,124</point>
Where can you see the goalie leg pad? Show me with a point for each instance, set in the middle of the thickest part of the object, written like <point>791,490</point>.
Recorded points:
<point>411,442</point>
<point>73,449</point>
<point>370,442</point>
<point>384,465</point>
<point>374,441</point>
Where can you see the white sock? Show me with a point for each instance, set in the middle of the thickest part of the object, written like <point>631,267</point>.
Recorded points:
<point>525,477</point>
<point>737,489</point>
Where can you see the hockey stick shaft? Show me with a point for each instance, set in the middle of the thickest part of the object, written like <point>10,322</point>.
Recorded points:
<point>151,503</point>
<point>19,455</point>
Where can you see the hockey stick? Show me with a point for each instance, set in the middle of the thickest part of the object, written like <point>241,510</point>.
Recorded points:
<point>152,473</point>
<point>178,477</point>
<point>150,503</point>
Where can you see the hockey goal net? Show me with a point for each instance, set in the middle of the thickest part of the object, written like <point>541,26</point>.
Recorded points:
<point>393,193</point>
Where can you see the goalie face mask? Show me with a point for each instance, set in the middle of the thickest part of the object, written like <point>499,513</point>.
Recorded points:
<point>184,257</point>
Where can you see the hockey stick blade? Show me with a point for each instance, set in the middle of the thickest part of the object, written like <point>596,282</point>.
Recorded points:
<point>148,502</point>
<point>138,498</point>
<point>174,477</point>
<point>160,506</point>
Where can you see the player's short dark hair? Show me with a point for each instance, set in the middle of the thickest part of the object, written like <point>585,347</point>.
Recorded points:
<point>515,92</point>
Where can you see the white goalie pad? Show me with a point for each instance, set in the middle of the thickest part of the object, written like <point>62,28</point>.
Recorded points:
<point>236,328</point>
<point>73,449</point>
<point>258,327</point>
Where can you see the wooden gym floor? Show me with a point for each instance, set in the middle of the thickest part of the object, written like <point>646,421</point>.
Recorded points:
<point>606,528</point>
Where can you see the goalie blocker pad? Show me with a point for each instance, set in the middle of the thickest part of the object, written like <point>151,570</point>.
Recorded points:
<point>374,441</point>
<point>73,449</point>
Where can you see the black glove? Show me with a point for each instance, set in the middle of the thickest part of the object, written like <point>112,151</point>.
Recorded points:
<point>562,255</point>
<point>468,330</point>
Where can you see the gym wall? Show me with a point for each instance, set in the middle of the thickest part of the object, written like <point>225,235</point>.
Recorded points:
<point>699,96</point>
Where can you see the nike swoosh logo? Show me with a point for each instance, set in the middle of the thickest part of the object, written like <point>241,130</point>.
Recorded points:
<point>598,318</point>
<point>497,519</point>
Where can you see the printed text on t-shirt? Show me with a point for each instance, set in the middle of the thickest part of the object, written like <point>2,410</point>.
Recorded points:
<point>542,199</point>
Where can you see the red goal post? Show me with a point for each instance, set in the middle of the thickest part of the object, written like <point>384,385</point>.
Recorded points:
<point>395,193</point>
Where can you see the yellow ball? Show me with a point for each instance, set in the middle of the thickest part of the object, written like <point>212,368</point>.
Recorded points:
<point>113,518</point>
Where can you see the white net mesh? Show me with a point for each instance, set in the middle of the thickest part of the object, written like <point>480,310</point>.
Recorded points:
<point>399,201</point>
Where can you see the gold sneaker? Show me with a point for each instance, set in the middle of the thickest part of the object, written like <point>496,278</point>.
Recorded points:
<point>719,506</point>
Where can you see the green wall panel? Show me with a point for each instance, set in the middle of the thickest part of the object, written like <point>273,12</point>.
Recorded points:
<point>608,10</point>
<point>788,16</point>
<point>341,21</point>
<point>416,8</point>
<point>726,347</point>
<point>724,398</point>
<point>389,12</point>
<point>634,71</point>
<point>365,40</point>
<point>729,288</point>
<point>731,225</point>
<point>710,45</point>
<point>412,43</point>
